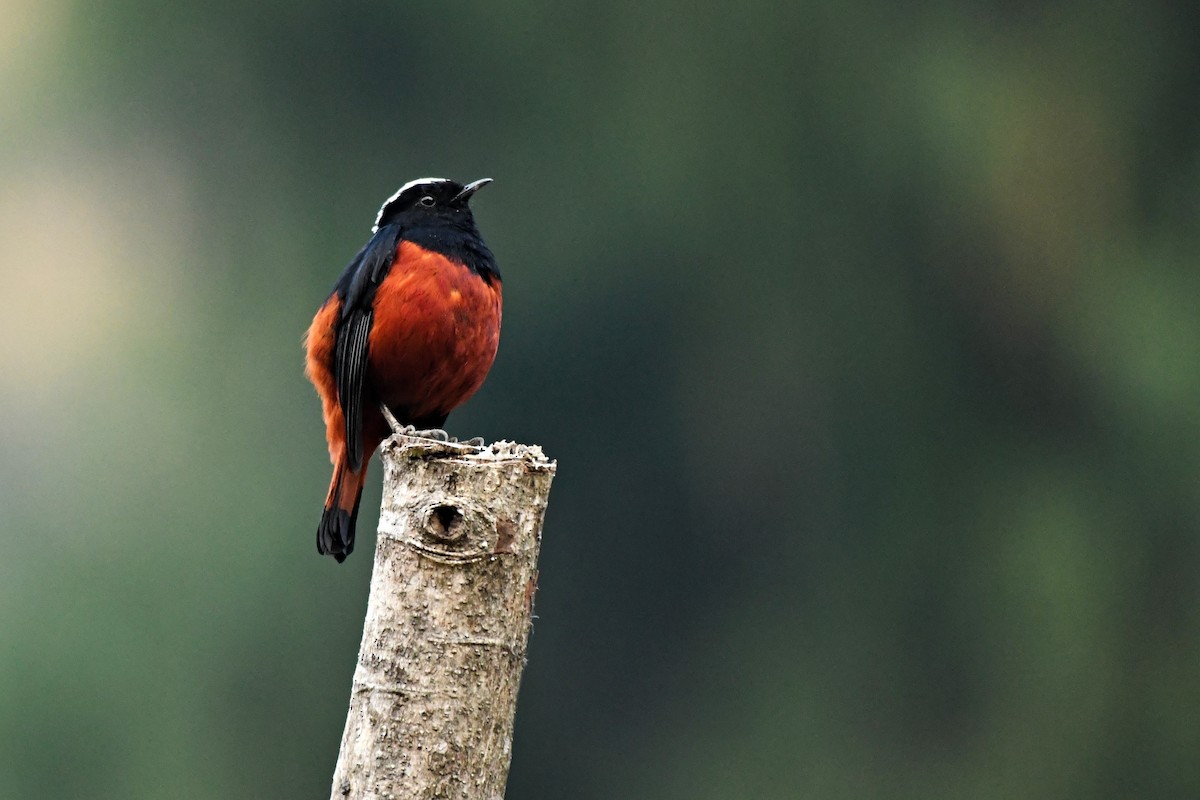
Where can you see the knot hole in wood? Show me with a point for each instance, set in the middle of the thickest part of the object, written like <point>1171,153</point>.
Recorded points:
<point>445,523</point>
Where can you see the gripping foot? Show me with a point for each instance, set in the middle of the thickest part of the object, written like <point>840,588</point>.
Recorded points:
<point>436,434</point>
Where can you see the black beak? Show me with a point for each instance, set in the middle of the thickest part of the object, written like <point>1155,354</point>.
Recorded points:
<point>470,189</point>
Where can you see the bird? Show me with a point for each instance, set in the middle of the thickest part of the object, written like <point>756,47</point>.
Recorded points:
<point>411,328</point>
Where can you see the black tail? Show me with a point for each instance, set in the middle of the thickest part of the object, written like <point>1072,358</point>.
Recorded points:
<point>335,532</point>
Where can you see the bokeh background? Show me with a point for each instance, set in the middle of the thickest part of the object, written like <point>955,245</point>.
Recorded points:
<point>866,335</point>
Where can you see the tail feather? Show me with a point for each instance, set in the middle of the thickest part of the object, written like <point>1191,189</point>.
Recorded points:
<point>335,532</point>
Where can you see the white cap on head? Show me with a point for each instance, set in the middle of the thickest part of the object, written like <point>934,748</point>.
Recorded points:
<point>400,191</point>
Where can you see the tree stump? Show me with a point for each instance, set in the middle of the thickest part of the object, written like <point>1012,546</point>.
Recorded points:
<point>448,619</point>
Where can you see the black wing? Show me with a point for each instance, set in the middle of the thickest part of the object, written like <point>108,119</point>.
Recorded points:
<point>356,289</point>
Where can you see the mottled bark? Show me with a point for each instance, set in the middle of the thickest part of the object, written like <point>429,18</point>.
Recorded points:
<point>443,647</point>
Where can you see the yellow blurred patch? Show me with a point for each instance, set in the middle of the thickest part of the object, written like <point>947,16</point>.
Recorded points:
<point>91,247</point>
<point>31,37</point>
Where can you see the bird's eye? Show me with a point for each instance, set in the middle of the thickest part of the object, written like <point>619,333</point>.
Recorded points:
<point>426,201</point>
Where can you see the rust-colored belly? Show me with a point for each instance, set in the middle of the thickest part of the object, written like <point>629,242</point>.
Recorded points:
<point>434,335</point>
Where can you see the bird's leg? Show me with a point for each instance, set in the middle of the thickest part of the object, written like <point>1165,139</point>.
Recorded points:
<point>394,423</point>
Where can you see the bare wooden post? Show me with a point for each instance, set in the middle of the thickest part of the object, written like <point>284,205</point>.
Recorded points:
<point>443,647</point>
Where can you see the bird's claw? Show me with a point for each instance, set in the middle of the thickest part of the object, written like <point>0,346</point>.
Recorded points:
<point>437,434</point>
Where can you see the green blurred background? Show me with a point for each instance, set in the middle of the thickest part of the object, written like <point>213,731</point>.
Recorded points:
<point>866,337</point>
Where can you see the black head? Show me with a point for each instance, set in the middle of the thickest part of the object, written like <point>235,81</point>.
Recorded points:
<point>429,202</point>
<point>433,213</point>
